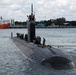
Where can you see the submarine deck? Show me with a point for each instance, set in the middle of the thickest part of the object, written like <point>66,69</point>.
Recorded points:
<point>48,56</point>
<point>36,52</point>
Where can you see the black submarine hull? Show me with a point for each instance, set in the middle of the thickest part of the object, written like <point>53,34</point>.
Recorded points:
<point>47,56</point>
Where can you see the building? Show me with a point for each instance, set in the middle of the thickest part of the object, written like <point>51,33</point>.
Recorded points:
<point>12,23</point>
<point>40,25</point>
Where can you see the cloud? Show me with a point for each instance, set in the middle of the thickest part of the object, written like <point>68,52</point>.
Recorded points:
<point>44,9</point>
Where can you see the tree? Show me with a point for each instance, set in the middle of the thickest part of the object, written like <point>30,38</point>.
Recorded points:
<point>60,21</point>
<point>73,23</point>
<point>20,23</point>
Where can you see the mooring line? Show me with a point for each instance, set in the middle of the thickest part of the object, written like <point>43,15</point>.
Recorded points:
<point>63,46</point>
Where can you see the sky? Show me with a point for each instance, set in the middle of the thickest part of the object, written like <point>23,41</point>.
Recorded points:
<point>43,9</point>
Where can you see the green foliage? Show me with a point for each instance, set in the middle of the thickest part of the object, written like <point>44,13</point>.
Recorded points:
<point>20,23</point>
<point>73,23</point>
<point>58,21</point>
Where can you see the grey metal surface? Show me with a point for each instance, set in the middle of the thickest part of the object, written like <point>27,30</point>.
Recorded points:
<point>44,55</point>
<point>31,26</point>
<point>31,31</point>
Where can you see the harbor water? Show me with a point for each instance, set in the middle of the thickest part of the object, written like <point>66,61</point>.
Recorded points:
<point>14,62</point>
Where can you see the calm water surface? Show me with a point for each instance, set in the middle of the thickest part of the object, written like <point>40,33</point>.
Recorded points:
<point>13,62</point>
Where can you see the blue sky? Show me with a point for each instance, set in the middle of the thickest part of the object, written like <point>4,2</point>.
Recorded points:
<point>43,9</point>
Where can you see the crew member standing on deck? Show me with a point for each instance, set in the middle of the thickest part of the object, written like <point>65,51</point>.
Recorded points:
<point>34,40</point>
<point>44,42</point>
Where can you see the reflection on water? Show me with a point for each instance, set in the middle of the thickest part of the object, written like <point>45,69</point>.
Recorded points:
<point>13,62</point>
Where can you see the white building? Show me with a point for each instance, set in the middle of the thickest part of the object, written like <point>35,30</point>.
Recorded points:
<point>12,23</point>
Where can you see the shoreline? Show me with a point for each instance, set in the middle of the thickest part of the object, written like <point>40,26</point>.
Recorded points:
<point>42,27</point>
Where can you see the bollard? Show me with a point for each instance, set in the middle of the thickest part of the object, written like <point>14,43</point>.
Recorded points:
<point>11,34</point>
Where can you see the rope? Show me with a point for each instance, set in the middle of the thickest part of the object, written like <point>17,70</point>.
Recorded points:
<point>63,46</point>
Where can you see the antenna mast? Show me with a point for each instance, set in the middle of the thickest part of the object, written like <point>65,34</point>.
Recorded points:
<point>32,9</point>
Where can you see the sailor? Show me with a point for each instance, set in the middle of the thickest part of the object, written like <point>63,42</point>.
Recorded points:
<point>26,37</point>
<point>43,42</point>
<point>39,40</point>
<point>34,40</point>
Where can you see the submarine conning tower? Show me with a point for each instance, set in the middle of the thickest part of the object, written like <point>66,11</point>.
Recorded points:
<point>31,25</point>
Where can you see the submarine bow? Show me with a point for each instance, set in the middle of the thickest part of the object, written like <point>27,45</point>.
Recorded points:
<point>58,62</point>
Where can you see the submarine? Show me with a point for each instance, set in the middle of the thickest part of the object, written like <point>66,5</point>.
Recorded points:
<point>46,56</point>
